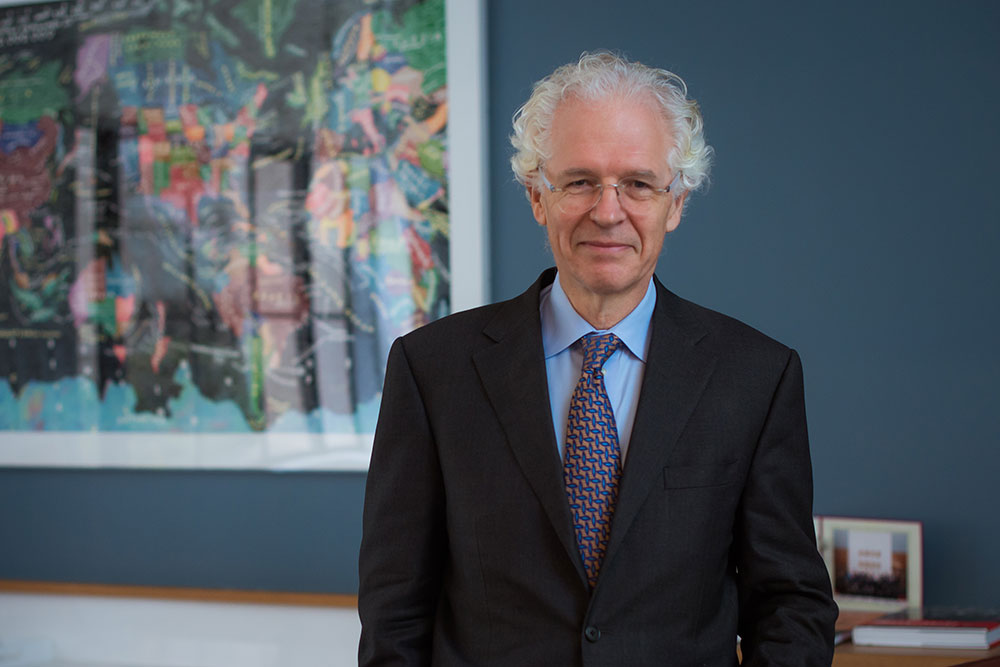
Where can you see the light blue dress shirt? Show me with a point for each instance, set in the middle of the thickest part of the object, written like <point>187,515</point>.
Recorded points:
<point>562,327</point>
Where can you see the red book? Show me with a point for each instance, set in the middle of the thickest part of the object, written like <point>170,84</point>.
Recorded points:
<point>932,627</point>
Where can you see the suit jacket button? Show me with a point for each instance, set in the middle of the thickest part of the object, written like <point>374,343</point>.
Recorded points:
<point>592,634</point>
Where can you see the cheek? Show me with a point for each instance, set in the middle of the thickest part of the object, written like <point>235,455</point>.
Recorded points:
<point>652,239</point>
<point>552,234</point>
<point>560,233</point>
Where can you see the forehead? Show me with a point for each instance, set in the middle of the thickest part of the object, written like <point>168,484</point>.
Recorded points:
<point>609,135</point>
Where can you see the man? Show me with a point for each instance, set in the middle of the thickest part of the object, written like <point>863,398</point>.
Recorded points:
<point>596,472</point>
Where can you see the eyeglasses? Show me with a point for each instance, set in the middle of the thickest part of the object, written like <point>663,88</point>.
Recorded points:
<point>583,194</point>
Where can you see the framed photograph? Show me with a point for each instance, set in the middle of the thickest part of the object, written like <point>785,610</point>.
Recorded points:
<point>874,564</point>
<point>216,217</point>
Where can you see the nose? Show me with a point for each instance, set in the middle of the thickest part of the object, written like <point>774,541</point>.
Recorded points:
<point>608,210</point>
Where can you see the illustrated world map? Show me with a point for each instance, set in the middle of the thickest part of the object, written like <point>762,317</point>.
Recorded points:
<point>216,215</point>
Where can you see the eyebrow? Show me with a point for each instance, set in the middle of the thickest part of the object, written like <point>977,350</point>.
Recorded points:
<point>642,174</point>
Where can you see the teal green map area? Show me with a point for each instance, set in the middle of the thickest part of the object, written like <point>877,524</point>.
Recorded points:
<point>216,216</point>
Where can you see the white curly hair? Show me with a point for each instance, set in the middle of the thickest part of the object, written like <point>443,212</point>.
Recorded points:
<point>600,75</point>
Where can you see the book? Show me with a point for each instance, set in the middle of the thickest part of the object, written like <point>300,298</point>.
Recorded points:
<point>847,619</point>
<point>932,627</point>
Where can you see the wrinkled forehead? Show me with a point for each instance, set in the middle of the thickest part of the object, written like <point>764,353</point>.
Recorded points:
<point>609,132</point>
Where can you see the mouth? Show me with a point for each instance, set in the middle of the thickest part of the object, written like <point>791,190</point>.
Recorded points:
<point>605,246</point>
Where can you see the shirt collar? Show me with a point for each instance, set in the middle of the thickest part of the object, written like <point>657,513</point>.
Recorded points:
<point>562,325</point>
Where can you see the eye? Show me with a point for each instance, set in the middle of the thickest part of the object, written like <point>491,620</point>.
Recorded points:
<point>579,186</point>
<point>638,189</point>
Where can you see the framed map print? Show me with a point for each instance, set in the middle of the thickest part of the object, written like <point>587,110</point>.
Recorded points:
<point>217,215</point>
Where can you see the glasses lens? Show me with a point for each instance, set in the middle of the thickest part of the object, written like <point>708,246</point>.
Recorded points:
<point>579,198</point>
<point>639,191</point>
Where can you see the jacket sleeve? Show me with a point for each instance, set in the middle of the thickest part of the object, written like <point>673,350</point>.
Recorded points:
<point>787,613</point>
<point>403,545</point>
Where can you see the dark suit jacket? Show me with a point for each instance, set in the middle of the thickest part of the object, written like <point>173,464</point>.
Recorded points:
<point>468,555</point>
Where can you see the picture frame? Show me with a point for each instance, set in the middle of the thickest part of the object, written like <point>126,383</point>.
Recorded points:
<point>875,565</point>
<point>323,443</point>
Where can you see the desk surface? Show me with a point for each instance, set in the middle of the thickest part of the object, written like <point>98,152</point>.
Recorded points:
<point>849,655</point>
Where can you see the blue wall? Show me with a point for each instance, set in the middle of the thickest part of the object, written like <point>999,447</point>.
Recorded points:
<point>853,215</point>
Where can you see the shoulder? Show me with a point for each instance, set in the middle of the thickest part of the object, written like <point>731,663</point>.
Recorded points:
<point>724,336</point>
<point>455,329</point>
<point>468,330</point>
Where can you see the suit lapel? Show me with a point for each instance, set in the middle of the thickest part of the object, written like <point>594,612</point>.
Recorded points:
<point>513,374</point>
<point>676,373</point>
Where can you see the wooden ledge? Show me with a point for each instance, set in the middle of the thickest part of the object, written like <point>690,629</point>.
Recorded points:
<point>178,593</point>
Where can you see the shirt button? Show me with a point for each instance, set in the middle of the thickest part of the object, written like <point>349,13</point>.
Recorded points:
<point>592,634</point>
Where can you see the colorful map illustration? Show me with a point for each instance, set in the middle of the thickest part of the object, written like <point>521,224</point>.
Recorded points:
<point>216,215</point>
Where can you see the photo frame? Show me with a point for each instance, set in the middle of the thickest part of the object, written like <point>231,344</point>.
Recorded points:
<point>875,565</point>
<point>171,126</point>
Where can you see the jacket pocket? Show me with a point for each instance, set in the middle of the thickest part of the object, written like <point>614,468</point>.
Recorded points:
<point>688,477</point>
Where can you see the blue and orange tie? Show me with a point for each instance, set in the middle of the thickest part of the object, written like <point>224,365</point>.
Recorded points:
<point>592,461</point>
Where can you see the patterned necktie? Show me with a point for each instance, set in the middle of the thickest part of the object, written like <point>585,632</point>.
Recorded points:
<point>591,468</point>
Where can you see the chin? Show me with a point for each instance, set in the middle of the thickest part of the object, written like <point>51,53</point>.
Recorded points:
<point>609,286</point>
<point>613,274</point>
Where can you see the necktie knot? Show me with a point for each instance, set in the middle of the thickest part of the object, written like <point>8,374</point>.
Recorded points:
<point>596,350</point>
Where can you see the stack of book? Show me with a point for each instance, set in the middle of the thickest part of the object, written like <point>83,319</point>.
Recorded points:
<point>932,627</point>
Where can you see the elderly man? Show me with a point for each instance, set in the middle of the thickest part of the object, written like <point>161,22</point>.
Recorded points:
<point>595,472</point>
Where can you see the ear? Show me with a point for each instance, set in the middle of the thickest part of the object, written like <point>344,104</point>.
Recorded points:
<point>677,208</point>
<point>535,197</point>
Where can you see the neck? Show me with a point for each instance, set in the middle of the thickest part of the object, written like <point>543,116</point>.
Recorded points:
<point>604,311</point>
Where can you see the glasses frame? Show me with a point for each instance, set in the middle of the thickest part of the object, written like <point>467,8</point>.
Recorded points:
<point>601,186</point>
